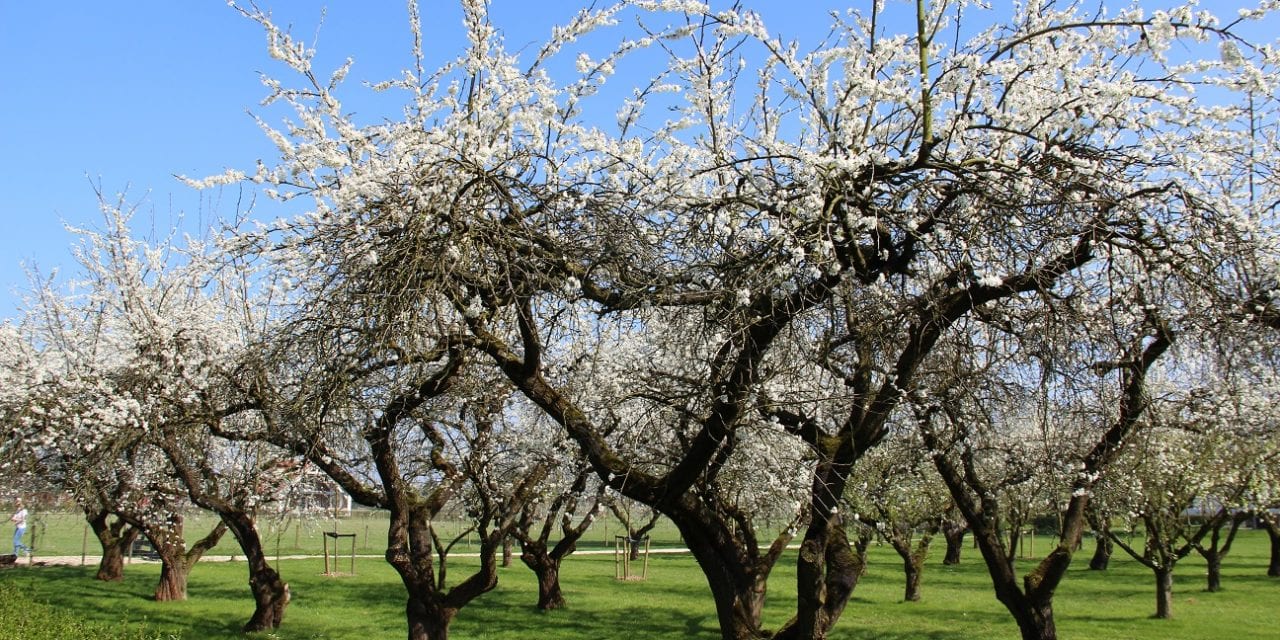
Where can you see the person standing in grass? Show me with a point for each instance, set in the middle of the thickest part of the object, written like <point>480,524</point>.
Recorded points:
<point>19,520</point>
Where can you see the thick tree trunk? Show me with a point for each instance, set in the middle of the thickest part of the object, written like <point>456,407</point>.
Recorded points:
<point>955,542</point>
<point>430,607</point>
<point>547,569</point>
<point>1164,593</point>
<point>827,572</point>
<point>506,551</point>
<point>738,590</point>
<point>270,594</point>
<point>115,538</point>
<point>427,621</point>
<point>1101,553</point>
<point>1273,532</point>
<point>173,578</point>
<point>549,595</point>
<point>176,561</point>
<point>737,610</point>
<point>912,570</point>
<point>1033,610</point>
<point>1035,620</point>
<point>270,597</point>
<point>111,567</point>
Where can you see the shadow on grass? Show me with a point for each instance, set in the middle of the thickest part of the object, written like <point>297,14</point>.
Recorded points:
<point>674,602</point>
<point>130,601</point>
<point>938,634</point>
<point>598,607</point>
<point>1259,581</point>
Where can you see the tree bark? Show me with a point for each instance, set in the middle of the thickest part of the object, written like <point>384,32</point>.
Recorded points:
<point>1272,525</point>
<point>431,607</point>
<point>827,573</point>
<point>270,594</point>
<point>547,569</point>
<point>911,569</point>
<point>116,537</point>
<point>1035,621</point>
<point>111,567</point>
<point>954,535</point>
<point>549,595</point>
<point>176,561</point>
<point>427,621</point>
<point>1164,593</point>
<point>1213,563</point>
<point>173,579</point>
<point>737,590</point>
<point>1032,610</point>
<point>827,568</point>
<point>1101,553</point>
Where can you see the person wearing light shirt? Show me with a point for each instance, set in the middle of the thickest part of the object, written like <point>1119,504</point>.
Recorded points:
<point>19,520</point>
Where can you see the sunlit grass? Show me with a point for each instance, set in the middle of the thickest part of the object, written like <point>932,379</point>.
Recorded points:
<point>67,534</point>
<point>674,602</point>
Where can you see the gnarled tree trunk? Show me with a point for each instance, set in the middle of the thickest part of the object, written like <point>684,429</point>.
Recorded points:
<point>738,595</point>
<point>173,578</point>
<point>913,568</point>
<point>547,569</point>
<point>827,568</point>
<point>176,561</point>
<point>427,619</point>
<point>1035,620</point>
<point>1032,606</point>
<point>270,594</point>
<point>116,537</point>
<point>549,594</point>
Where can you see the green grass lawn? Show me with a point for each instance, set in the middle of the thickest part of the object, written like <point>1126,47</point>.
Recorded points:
<point>66,534</point>
<point>673,603</point>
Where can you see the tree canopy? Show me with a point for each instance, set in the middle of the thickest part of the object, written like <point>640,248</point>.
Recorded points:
<point>730,279</point>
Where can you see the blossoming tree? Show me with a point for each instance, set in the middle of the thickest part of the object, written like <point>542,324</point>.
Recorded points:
<point>755,215</point>
<point>145,358</point>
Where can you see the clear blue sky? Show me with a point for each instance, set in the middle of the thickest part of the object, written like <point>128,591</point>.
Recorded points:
<point>127,94</point>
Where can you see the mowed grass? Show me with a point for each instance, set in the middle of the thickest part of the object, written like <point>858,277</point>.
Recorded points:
<point>674,602</point>
<point>62,533</point>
